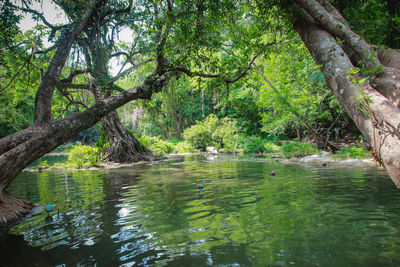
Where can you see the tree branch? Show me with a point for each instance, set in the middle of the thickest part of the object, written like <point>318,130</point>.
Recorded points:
<point>73,74</point>
<point>73,85</point>
<point>120,74</point>
<point>226,80</point>
<point>120,11</point>
<point>46,88</point>
<point>43,19</point>
<point>16,74</point>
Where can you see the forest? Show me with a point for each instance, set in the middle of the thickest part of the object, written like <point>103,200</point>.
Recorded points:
<point>133,80</point>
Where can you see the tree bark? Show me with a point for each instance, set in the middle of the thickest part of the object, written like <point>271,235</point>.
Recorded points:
<point>22,148</point>
<point>375,113</point>
<point>124,147</point>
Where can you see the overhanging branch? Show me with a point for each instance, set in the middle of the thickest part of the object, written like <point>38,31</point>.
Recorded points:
<point>119,75</point>
<point>221,76</point>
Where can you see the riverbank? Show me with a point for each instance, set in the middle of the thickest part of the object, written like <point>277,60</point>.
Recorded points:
<point>322,158</point>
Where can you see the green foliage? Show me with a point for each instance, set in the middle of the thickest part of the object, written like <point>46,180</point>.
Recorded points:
<point>302,92</point>
<point>83,157</point>
<point>175,141</point>
<point>271,147</point>
<point>103,142</point>
<point>19,78</point>
<point>220,133</point>
<point>375,20</point>
<point>298,149</point>
<point>256,144</point>
<point>64,148</point>
<point>355,152</point>
<point>184,147</point>
<point>179,105</point>
<point>156,144</point>
<point>42,165</point>
<point>199,136</point>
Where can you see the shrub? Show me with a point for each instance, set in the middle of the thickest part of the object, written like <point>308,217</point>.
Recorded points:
<point>175,140</point>
<point>298,149</point>
<point>213,132</point>
<point>156,144</point>
<point>83,157</point>
<point>42,165</point>
<point>184,147</point>
<point>198,136</point>
<point>271,147</point>
<point>357,152</point>
<point>256,144</point>
<point>102,143</point>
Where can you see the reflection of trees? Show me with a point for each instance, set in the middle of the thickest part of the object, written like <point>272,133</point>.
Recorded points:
<point>75,219</point>
<point>270,220</point>
<point>243,215</point>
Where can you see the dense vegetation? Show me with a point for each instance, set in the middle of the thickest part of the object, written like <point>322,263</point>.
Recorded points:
<point>232,75</point>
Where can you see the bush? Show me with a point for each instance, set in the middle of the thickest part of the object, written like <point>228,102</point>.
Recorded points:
<point>356,152</point>
<point>298,149</point>
<point>103,142</point>
<point>213,132</point>
<point>83,157</point>
<point>271,147</point>
<point>184,147</point>
<point>42,165</point>
<point>156,144</point>
<point>256,144</point>
<point>198,136</point>
<point>175,141</point>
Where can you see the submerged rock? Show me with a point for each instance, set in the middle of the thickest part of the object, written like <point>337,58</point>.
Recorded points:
<point>36,210</point>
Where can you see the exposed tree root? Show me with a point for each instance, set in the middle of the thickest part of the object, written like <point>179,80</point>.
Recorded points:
<point>124,154</point>
<point>124,147</point>
<point>12,208</point>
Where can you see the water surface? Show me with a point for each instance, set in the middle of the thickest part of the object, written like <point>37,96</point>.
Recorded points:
<point>155,215</point>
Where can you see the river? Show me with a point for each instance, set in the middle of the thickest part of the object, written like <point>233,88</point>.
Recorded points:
<point>159,215</point>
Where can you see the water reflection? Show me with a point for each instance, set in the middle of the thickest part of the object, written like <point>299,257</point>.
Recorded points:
<point>157,215</point>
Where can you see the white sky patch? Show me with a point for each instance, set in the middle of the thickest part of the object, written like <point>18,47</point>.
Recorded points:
<point>52,13</point>
<point>56,16</point>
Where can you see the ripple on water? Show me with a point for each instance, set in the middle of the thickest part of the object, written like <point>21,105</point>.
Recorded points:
<point>308,215</point>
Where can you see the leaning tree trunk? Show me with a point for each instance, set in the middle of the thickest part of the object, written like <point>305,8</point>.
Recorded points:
<point>124,147</point>
<point>373,106</point>
<point>20,149</point>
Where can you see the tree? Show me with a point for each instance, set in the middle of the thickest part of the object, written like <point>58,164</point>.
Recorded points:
<point>46,133</point>
<point>364,78</point>
<point>185,37</point>
<point>98,44</point>
<point>176,46</point>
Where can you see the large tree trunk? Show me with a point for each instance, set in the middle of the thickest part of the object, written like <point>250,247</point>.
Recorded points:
<point>124,147</point>
<point>373,106</point>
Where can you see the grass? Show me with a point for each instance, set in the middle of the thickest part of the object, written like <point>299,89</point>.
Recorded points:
<point>354,152</point>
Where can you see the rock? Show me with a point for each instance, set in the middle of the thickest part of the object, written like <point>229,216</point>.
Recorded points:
<point>211,150</point>
<point>36,210</point>
<point>357,162</point>
<point>351,162</point>
<point>325,154</point>
<point>317,159</point>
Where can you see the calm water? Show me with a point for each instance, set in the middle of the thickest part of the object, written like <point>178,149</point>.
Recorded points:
<point>154,215</point>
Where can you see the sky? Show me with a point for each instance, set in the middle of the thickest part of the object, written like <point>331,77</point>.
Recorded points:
<point>55,15</point>
<point>52,13</point>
